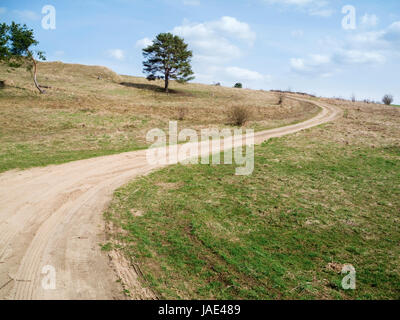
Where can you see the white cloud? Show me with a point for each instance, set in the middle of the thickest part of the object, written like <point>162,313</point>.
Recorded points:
<point>243,74</point>
<point>323,65</point>
<point>392,34</point>
<point>372,48</point>
<point>143,43</point>
<point>358,57</point>
<point>315,64</point>
<point>234,27</point>
<point>216,44</point>
<point>117,54</point>
<point>216,41</point>
<point>3,10</point>
<point>387,39</point>
<point>27,15</point>
<point>373,39</point>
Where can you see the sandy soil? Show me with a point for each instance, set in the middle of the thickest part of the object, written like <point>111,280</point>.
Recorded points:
<point>53,216</point>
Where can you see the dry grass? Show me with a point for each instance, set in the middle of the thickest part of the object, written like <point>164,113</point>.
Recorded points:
<point>317,200</point>
<point>90,111</point>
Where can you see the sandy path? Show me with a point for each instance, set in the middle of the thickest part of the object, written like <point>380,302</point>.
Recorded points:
<point>53,216</point>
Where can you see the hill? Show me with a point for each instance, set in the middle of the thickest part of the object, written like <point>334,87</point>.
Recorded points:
<point>89,111</point>
<point>317,201</point>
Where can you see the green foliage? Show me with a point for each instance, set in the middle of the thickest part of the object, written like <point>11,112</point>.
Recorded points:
<point>238,85</point>
<point>16,42</point>
<point>4,38</point>
<point>168,58</point>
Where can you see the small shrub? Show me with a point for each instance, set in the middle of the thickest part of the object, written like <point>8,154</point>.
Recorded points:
<point>280,101</point>
<point>388,99</point>
<point>239,115</point>
<point>238,85</point>
<point>182,112</point>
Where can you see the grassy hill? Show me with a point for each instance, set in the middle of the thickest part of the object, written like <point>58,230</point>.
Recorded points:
<point>317,200</point>
<point>91,111</point>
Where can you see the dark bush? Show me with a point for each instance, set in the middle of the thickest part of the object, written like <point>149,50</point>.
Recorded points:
<point>387,99</point>
<point>239,115</point>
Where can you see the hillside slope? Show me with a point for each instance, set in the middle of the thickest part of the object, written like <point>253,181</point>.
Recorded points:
<point>90,111</point>
<point>317,200</point>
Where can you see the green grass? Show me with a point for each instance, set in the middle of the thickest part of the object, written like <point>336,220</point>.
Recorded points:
<point>24,156</point>
<point>204,233</point>
<point>40,137</point>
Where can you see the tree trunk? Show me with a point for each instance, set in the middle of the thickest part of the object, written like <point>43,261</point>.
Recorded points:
<point>167,83</point>
<point>34,76</point>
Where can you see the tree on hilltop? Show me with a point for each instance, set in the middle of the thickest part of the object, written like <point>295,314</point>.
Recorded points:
<point>168,57</point>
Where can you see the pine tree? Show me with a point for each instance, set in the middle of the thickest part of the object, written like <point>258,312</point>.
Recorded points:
<point>168,58</point>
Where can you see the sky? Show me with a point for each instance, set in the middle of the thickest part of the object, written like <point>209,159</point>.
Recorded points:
<point>330,48</point>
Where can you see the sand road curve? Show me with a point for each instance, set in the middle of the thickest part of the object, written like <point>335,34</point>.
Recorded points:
<point>52,216</point>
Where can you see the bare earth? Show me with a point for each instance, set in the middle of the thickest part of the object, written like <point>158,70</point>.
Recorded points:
<point>53,216</point>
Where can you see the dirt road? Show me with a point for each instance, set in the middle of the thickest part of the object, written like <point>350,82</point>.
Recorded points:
<point>53,217</point>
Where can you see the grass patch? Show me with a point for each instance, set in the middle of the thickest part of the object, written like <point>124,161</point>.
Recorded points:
<point>313,202</point>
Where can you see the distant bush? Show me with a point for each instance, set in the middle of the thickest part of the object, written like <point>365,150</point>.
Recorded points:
<point>239,115</point>
<point>388,99</point>
<point>280,101</point>
<point>182,112</point>
<point>238,85</point>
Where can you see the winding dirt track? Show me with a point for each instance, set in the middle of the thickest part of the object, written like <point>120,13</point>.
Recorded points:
<point>53,216</point>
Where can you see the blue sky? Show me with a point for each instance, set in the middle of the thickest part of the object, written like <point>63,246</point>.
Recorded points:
<point>265,44</point>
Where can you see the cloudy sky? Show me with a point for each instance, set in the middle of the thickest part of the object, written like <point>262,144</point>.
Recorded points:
<point>325,47</point>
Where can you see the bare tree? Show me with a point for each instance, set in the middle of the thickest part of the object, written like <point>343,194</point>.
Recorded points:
<point>387,99</point>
